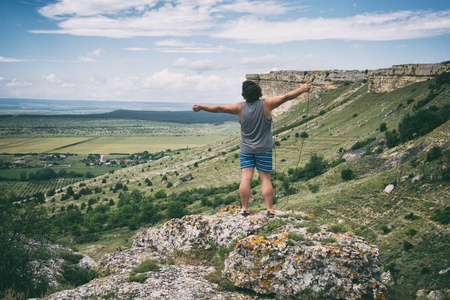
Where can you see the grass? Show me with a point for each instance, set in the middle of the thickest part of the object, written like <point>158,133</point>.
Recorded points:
<point>108,242</point>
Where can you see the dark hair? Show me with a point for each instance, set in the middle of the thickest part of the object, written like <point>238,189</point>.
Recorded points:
<point>251,91</point>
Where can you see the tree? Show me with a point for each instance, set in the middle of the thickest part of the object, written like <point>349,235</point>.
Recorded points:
<point>176,210</point>
<point>17,251</point>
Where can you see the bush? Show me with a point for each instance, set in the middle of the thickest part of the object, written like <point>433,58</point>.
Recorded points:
<point>411,216</point>
<point>392,138</point>
<point>137,278</point>
<point>407,246</point>
<point>146,266</point>
<point>383,127</point>
<point>434,154</point>
<point>76,275</point>
<point>421,123</point>
<point>442,216</point>
<point>314,188</point>
<point>347,174</point>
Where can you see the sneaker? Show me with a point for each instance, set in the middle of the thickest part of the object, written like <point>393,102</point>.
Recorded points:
<point>271,214</point>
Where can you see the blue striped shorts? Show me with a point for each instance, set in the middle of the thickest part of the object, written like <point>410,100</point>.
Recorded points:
<point>262,161</point>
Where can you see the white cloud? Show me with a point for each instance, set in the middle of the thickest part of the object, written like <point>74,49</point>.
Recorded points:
<point>91,56</point>
<point>2,78</point>
<point>51,78</point>
<point>181,19</point>
<point>19,83</point>
<point>160,86</point>
<point>64,8</point>
<point>366,27</point>
<point>6,59</point>
<point>137,49</point>
<point>178,46</point>
<point>258,8</point>
<point>270,61</point>
<point>264,22</point>
<point>199,65</point>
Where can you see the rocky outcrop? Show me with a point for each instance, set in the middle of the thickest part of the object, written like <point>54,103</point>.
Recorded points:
<point>282,256</point>
<point>378,81</point>
<point>287,263</point>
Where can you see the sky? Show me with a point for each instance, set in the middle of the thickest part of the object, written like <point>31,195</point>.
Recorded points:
<point>199,51</point>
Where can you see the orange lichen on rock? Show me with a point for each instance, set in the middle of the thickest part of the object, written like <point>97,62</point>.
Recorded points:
<point>228,208</point>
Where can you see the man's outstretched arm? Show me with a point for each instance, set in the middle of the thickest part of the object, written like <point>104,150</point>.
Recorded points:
<point>234,109</point>
<point>274,102</point>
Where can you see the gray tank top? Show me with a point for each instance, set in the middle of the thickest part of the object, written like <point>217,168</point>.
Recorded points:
<point>256,136</point>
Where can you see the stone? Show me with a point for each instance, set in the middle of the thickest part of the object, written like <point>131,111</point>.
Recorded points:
<point>347,268</point>
<point>186,177</point>
<point>87,262</point>
<point>436,295</point>
<point>387,278</point>
<point>417,178</point>
<point>421,294</point>
<point>178,183</point>
<point>389,188</point>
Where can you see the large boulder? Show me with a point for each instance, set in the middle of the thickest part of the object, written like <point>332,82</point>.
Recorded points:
<point>335,265</point>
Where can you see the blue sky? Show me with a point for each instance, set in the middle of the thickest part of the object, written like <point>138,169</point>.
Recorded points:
<point>200,50</point>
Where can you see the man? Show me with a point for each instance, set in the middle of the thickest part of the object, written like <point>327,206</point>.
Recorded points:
<point>255,117</point>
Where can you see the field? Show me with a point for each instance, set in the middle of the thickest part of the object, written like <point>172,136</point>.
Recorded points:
<point>32,144</point>
<point>103,145</point>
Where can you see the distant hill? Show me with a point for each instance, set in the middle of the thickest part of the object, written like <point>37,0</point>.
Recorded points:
<point>183,117</point>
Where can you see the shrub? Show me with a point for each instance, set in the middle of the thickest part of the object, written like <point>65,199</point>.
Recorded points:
<point>421,123</point>
<point>76,275</point>
<point>314,188</point>
<point>411,216</point>
<point>347,174</point>
<point>407,246</point>
<point>295,236</point>
<point>383,127</point>
<point>434,154</point>
<point>392,138</point>
<point>313,229</point>
<point>442,216</point>
<point>137,278</point>
<point>146,266</point>
<point>337,228</point>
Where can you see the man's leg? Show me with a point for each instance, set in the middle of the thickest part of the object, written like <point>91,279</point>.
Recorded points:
<point>245,188</point>
<point>267,189</point>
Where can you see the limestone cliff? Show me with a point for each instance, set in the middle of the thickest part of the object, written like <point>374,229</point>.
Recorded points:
<point>378,81</point>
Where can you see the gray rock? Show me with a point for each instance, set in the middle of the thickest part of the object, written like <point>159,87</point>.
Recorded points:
<point>417,178</point>
<point>389,188</point>
<point>387,278</point>
<point>178,183</point>
<point>436,295</point>
<point>186,177</point>
<point>345,269</point>
<point>421,294</point>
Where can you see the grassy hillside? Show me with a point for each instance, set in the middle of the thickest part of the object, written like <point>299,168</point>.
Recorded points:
<point>346,135</point>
